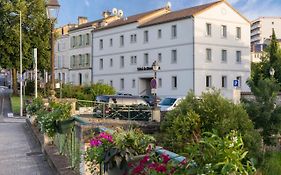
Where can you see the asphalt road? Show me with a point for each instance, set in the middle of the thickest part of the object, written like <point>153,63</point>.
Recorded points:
<point>20,154</point>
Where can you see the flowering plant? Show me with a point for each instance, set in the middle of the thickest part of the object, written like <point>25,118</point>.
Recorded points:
<point>155,164</point>
<point>116,150</point>
<point>35,106</point>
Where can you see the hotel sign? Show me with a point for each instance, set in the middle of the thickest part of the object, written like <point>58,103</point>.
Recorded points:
<point>144,68</point>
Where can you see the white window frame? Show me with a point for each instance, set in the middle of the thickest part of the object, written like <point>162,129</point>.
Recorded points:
<point>238,56</point>
<point>174,31</point>
<point>101,64</point>
<point>208,81</point>
<point>174,56</point>
<point>145,36</point>
<point>224,81</point>
<point>208,29</point>
<point>122,61</point>
<point>223,31</point>
<point>224,56</point>
<point>238,32</point>
<point>208,54</point>
<point>146,59</point>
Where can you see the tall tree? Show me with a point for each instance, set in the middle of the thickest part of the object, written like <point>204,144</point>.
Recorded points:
<point>35,33</point>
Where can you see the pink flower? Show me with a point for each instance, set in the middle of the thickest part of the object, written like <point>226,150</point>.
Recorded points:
<point>161,169</point>
<point>106,136</point>
<point>95,143</point>
<point>138,169</point>
<point>165,158</point>
<point>145,159</point>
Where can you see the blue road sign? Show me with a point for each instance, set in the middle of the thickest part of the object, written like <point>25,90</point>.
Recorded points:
<point>153,83</point>
<point>235,83</point>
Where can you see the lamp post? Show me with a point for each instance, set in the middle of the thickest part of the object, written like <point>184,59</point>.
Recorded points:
<point>52,8</point>
<point>21,77</point>
<point>155,68</point>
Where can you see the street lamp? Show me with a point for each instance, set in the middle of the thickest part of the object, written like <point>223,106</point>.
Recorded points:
<point>155,68</point>
<point>52,8</point>
<point>21,77</point>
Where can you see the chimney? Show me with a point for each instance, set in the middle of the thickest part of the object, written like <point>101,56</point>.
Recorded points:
<point>106,14</point>
<point>82,20</point>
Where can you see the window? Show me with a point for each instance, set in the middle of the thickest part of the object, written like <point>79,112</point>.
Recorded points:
<point>159,33</point>
<point>111,42</point>
<point>159,82</point>
<point>101,44</point>
<point>133,83</point>
<point>87,61</point>
<point>224,56</point>
<point>111,83</point>
<point>111,62</point>
<point>238,32</point>
<point>122,83</point>
<point>121,40</point>
<point>174,31</point>
<point>146,59</point>
<point>174,82</point>
<point>122,62</point>
<point>80,60</point>
<point>101,64</point>
<point>72,62</point>
<point>209,54</point>
<point>159,57</point>
<point>224,31</point>
<point>208,81</point>
<point>239,78</point>
<point>80,40</point>
<point>272,23</point>
<point>133,60</point>
<point>209,29</point>
<point>87,39</point>
<point>73,42</point>
<point>145,36</point>
<point>238,56</point>
<point>133,38</point>
<point>223,81</point>
<point>174,56</point>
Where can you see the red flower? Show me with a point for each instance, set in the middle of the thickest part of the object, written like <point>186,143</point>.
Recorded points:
<point>161,169</point>
<point>165,158</point>
<point>145,159</point>
<point>138,169</point>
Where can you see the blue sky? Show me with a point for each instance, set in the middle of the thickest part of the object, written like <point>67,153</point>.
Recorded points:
<point>71,9</point>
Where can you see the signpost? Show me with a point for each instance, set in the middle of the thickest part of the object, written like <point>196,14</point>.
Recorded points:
<point>153,85</point>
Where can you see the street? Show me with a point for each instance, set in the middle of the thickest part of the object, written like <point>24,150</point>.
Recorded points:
<point>20,153</point>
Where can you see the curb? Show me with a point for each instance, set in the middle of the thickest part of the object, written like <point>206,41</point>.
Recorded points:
<point>57,162</point>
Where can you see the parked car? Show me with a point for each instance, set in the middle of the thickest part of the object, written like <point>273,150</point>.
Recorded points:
<point>150,99</point>
<point>169,103</point>
<point>122,107</point>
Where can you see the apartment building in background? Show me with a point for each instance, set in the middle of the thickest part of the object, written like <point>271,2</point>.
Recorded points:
<point>261,31</point>
<point>197,48</point>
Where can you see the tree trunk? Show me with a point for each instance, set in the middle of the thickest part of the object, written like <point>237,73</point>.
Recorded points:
<point>15,84</point>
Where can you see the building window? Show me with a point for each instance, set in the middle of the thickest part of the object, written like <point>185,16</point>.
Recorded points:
<point>238,56</point>
<point>146,59</point>
<point>239,78</point>
<point>224,56</point>
<point>133,60</point>
<point>159,33</point>
<point>101,44</point>
<point>209,29</point>
<point>111,62</point>
<point>133,83</point>
<point>80,40</point>
<point>101,64</point>
<point>272,23</point>
<point>111,83</point>
<point>159,82</point>
<point>238,32</point>
<point>224,31</point>
<point>87,39</point>
<point>110,42</point>
<point>223,81</point>
<point>81,61</point>
<point>145,36</point>
<point>174,56</point>
<point>174,82</point>
<point>159,57</point>
<point>122,84</point>
<point>122,61</point>
<point>174,31</point>
<point>133,38</point>
<point>208,81</point>
<point>73,42</point>
<point>209,54</point>
<point>121,40</point>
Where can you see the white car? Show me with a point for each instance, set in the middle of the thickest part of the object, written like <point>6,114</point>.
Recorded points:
<point>169,103</point>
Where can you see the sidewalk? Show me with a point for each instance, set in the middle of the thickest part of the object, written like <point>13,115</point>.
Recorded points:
<point>20,154</point>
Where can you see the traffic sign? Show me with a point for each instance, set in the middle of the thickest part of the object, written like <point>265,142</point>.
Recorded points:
<point>153,83</point>
<point>235,83</point>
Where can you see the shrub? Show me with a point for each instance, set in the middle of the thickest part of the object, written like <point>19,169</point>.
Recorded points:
<point>210,112</point>
<point>35,106</point>
<point>271,164</point>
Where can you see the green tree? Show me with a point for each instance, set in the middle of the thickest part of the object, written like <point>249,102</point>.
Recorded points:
<point>35,33</point>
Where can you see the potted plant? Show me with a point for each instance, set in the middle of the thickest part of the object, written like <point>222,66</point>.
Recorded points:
<point>114,151</point>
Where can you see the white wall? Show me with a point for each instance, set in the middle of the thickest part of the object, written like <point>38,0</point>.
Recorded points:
<point>218,16</point>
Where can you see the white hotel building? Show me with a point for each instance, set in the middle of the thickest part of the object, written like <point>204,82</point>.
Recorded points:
<point>197,48</point>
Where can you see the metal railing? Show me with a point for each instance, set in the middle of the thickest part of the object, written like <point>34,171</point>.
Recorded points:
<point>114,111</point>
